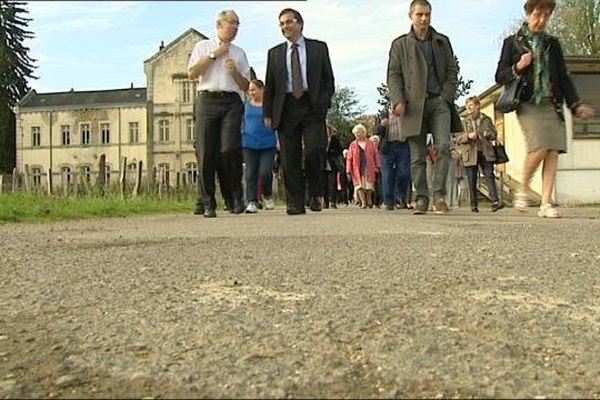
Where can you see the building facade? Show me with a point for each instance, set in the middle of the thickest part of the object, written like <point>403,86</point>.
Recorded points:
<point>67,132</point>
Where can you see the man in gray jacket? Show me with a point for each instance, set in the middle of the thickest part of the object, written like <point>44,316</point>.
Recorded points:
<point>422,81</point>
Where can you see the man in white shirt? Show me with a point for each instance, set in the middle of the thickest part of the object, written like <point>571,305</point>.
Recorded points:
<point>223,74</point>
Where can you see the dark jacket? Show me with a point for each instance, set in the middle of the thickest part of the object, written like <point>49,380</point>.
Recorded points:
<point>563,89</point>
<point>334,154</point>
<point>319,75</point>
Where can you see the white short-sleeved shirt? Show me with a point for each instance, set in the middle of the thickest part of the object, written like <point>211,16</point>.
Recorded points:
<point>216,77</point>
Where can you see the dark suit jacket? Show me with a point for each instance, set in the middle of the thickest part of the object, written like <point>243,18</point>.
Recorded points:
<point>318,74</point>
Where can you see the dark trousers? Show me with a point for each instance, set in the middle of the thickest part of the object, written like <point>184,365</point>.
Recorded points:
<point>259,164</point>
<point>218,123</point>
<point>301,128</point>
<point>330,187</point>
<point>488,171</point>
<point>395,172</point>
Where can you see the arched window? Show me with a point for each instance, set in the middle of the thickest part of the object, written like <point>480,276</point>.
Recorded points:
<point>36,176</point>
<point>191,171</point>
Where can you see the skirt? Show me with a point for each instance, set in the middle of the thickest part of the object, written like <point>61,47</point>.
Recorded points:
<point>542,127</point>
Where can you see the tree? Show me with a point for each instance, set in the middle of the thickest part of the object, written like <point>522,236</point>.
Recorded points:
<point>16,67</point>
<point>576,23</point>
<point>344,113</point>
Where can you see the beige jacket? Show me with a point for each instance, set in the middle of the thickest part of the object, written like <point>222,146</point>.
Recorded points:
<point>468,148</point>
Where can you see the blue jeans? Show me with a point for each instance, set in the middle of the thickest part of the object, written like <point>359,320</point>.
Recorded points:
<point>259,163</point>
<point>395,171</point>
<point>488,172</point>
<point>436,120</point>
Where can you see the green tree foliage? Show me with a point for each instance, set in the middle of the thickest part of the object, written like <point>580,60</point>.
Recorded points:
<point>576,23</point>
<point>344,113</point>
<point>16,67</point>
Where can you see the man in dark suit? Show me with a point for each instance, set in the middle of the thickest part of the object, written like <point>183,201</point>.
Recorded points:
<point>298,91</point>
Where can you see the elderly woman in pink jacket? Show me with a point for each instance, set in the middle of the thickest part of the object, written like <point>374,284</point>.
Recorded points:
<point>362,164</point>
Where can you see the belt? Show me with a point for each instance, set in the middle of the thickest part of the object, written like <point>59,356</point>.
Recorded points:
<point>216,93</point>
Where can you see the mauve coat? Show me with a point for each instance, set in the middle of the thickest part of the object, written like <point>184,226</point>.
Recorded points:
<point>407,77</point>
<point>353,162</point>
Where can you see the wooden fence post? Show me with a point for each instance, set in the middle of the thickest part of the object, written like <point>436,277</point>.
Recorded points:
<point>49,181</point>
<point>27,180</point>
<point>1,183</point>
<point>138,180</point>
<point>123,178</point>
<point>15,180</point>
<point>75,178</point>
<point>102,174</point>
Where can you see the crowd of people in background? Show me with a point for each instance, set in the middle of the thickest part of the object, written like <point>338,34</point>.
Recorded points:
<point>420,152</point>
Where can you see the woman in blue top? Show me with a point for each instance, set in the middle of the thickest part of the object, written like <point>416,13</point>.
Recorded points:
<point>259,144</point>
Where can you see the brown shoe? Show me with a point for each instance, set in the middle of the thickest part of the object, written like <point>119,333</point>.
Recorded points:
<point>440,207</point>
<point>421,206</point>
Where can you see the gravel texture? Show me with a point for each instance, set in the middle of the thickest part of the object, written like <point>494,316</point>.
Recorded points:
<point>344,303</point>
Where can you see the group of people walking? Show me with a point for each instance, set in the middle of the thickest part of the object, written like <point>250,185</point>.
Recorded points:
<point>289,111</point>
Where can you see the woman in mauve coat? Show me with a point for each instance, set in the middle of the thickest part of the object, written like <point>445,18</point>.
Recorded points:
<point>362,164</point>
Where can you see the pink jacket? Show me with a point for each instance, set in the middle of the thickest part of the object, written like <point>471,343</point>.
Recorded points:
<point>353,161</point>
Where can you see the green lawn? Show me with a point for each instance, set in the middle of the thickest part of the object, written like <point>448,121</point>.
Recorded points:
<point>39,208</point>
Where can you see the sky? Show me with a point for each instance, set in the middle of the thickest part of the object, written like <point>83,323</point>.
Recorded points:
<point>98,45</point>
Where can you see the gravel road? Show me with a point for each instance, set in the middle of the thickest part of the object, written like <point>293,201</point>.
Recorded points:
<point>344,303</point>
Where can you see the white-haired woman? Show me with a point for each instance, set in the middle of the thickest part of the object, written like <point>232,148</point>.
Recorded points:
<point>362,164</point>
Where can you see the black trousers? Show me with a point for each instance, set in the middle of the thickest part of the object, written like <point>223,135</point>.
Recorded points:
<point>218,122</point>
<point>301,131</point>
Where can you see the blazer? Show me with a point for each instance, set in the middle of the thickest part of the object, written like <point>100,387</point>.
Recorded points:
<point>563,89</point>
<point>319,76</point>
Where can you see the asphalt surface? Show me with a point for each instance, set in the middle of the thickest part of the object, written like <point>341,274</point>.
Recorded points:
<point>343,303</point>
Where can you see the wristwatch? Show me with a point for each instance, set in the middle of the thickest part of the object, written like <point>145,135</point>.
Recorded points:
<point>212,56</point>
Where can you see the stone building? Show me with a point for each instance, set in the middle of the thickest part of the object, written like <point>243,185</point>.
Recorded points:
<point>67,132</point>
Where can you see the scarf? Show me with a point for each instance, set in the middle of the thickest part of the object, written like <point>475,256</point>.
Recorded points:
<point>541,64</point>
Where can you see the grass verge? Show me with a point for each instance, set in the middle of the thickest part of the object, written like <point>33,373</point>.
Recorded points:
<point>23,207</point>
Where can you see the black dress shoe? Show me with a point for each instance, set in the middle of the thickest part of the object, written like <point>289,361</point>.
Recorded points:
<point>497,206</point>
<point>210,213</point>
<point>389,207</point>
<point>295,211</point>
<point>315,204</point>
<point>474,209</point>
<point>199,210</point>
<point>333,205</point>
<point>237,207</point>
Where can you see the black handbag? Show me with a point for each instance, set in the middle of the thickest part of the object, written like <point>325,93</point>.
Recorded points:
<point>500,153</point>
<point>510,98</point>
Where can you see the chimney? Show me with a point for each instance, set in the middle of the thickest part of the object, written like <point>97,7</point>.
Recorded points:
<point>131,85</point>
<point>162,45</point>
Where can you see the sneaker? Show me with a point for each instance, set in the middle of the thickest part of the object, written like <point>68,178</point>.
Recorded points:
<point>251,208</point>
<point>269,203</point>
<point>421,207</point>
<point>440,207</point>
<point>521,202</point>
<point>548,211</point>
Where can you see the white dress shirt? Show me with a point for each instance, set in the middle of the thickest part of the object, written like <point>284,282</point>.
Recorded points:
<point>217,77</point>
<point>288,60</point>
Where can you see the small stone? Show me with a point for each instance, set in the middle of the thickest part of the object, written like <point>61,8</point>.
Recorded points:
<point>3,337</point>
<point>66,381</point>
